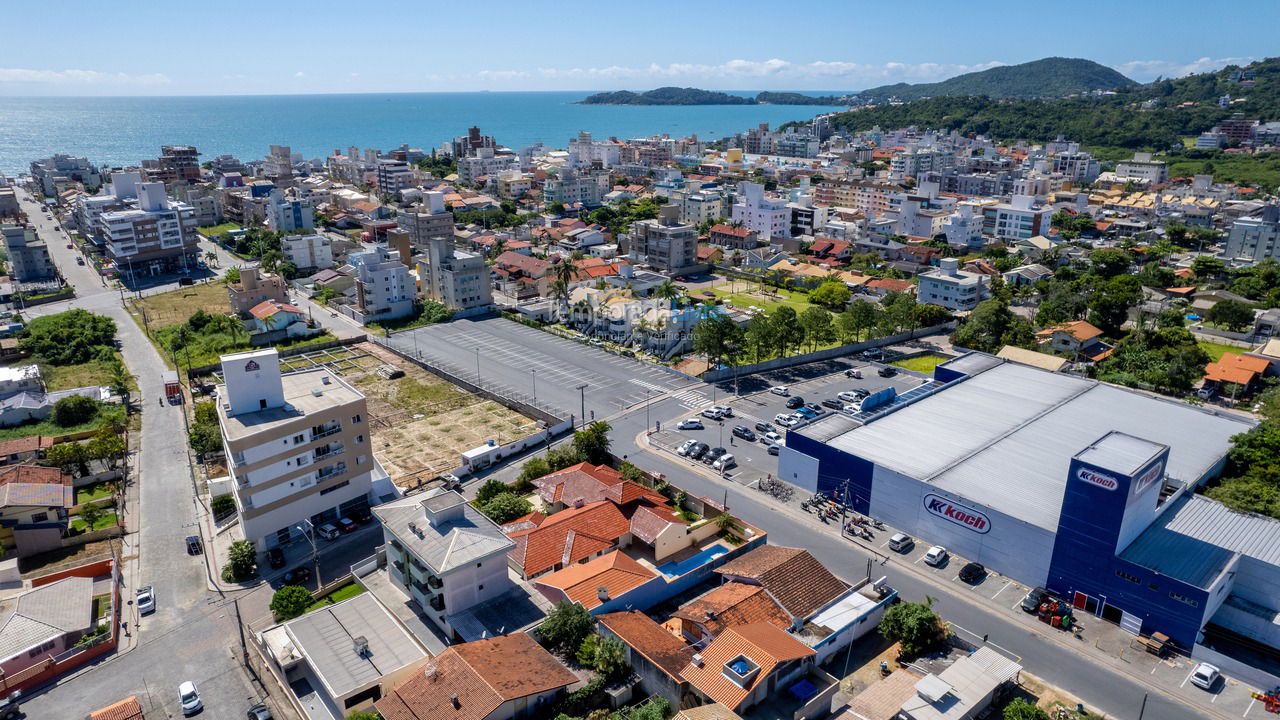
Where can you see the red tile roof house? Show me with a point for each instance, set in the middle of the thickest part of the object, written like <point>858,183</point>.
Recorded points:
<point>524,271</point>
<point>748,664</point>
<point>793,577</point>
<point>830,250</point>
<point>593,584</point>
<point>881,286</point>
<point>730,604</point>
<point>18,450</point>
<point>655,655</point>
<point>34,502</point>
<point>734,238</point>
<point>498,678</point>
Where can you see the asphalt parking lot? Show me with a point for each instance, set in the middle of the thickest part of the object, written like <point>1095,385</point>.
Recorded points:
<point>524,362</point>
<point>753,459</point>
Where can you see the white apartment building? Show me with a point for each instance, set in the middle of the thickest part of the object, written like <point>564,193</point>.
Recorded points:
<point>1143,168</point>
<point>454,278</point>
<point>307,251</point>
<point>1076,165</point>
<point>297,445</point>
<point>485,163</point>
<point>286,214</point>
<point>768,216</point>
<point>964,226</point>
<point>444,554</point>
<point>585,152</point>
<point>699,206</point>
<point>28,254</point>
<point>121,187</point>
<point>393,175</point>
<point>913,161</point>
<point>664,243</point>
<point>1018,219</point>
<point>797,144</point>
<point>427,222</point>
<point>384,289</point>
<point>587,187</point>
<point>951,287</point>
<point>153,237</point>
<point>1255,238</point>
<point>279,164</point>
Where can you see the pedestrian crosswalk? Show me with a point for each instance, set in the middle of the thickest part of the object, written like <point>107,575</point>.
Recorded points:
<point>689,398</point>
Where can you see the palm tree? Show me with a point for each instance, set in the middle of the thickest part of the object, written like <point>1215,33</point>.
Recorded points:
<point>211,258</point>
<point>641,329</point>
<point>667,291</point>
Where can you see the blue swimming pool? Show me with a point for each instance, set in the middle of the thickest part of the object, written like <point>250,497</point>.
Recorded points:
<point>676,569</point>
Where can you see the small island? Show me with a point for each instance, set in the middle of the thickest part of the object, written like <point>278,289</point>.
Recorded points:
<point>695,96</point>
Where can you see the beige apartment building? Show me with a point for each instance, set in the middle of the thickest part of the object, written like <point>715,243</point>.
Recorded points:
<point>298,447</point>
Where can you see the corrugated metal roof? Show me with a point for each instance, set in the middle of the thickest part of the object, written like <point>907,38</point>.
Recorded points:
<point>972,363</point>
<point>1176,555</point>
<point>1005,438</point>
<point>1198,526</point>
<point>1120,452</point>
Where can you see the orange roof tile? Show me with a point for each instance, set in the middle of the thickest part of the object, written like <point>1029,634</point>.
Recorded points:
<point>761,643</point>
<point>1236,368</point>
<point>267,308</point>
<point>664,650</point>
<point>1081,330</point>
<point>616,572</point>
<point>482,675</point>
<point>127,709</point>
<point>568,537</point>
<point>733,603</point>
<point>797,580</point>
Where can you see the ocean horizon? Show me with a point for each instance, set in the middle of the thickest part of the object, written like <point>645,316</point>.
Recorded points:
<point>117,131</point>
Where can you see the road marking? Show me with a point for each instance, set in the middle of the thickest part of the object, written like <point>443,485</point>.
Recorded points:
<point>1153,668</point>
<point>1246,710</point>
<point>1016,604</point>
<point>1218,694</point>
<point>1188,677</point>
<point>917,562</point>
<point>883,544</point>
<point>1002,588</point>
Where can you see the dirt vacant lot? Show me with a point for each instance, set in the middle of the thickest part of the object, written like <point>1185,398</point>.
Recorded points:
<point>421,423</point>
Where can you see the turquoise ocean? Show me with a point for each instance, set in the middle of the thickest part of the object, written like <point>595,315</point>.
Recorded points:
<point>125,130</point>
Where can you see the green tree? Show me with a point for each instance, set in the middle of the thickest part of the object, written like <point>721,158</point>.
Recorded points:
<point>610,658</point>
<point>1207,267</point>
<point>290,601</point>
<point>566,626</point>
<point>1233,314</point>
<point>718,337</point>
<point>759,336</point>
<point>787,332</point>
<point>90,514</point>
<point>817,326</point>
<point>991,326</point>
<point>533,469</point>
<point>1108,262</point>
<point>1111,301</point>
<point>831,294</point>
<point>586,652</point>
<point>1020,709</point>
<point>592,442</point>
<point>1167,359</point>
<point>242,562</point>
<point>505,507</point>
<point>491,488</point>
<point>70,457</point>
<point>364,715</point>
<point>107,447</point>
<point>900,311</point>
<point>858,318</point>
<point>1060,302</point>
<point>914,626</point>
<point>74,410</point>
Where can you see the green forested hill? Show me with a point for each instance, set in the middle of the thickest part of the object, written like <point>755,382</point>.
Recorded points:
<point>1052,77</point>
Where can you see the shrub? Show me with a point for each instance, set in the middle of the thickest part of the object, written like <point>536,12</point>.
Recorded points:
<point>69,338</point>
<point>290,601</point>
<point>505,507</point>
<point>586,654</point>
<point>222,505</point>
<point>242,562</point>
<point>1020,709</point>
<point>491,488</point>
<point>914,626</point>
<point>74,410</point>
<point>566,626</point>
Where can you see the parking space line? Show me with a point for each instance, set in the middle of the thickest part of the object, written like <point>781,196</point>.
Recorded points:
<point>1002,589</point>
<point>1246,710</point>
<point>1188,677</point>
<point>1216,695</point>
<point>917,562</point>
<point>1016,604</point>
<point>1153,668</point>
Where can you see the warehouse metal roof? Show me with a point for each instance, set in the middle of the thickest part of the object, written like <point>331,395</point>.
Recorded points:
<point>1005,437</point>
<point>1183,556</point>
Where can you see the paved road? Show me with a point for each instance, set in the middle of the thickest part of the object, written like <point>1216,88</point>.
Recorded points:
<point>532,363</point>
<point>192,634</point>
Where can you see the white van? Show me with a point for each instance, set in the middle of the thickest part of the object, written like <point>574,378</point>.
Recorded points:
<point>901,542</point>
<point>328,532</point>
<point>724,462</point>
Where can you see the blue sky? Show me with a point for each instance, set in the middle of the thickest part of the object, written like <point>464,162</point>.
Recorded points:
<point>265,47</point>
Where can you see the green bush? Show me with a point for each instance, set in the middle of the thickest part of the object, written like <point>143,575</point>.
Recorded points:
<point>566,626</point>
<point>74,410</point>
<point>290,601</point>
<point>70,338</point>
<point>222,505</point>
<point>242,562</point>
<point>505,507</point>
<point>914,626</point>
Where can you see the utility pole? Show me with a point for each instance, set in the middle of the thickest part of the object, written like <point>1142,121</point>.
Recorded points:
<point>582,399</point>
<point>534,372</point>
<point>477,366</point>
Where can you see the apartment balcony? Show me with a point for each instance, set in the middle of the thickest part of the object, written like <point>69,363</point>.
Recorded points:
<point>328,451</point>
<point>437,603</point>
<point>423,589</point>
<point>325,432</point>
<point>328,472</point>
<point>399,566</point>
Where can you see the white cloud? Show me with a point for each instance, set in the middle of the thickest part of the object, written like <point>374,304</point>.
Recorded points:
<point>1148,70</point>
<point>299,74</point>
<point>29,76</point>
<point>748,74</point>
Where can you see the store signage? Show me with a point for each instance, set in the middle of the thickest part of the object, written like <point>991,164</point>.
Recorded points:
<point>957,514</point>
<point>1096,478</point>
<point>1148,477</point>
<point>251,366</point>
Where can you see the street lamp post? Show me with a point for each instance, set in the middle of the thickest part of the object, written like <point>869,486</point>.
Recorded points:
<point>534,372</point>
<point>477,366</point>
<point>646,408</point>
<point>582,399</point>
<point>315,554</point>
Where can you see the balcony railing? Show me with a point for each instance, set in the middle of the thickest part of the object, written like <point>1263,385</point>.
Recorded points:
<point>329,451</point>
<point>328,472</point>
<point>325,432</point>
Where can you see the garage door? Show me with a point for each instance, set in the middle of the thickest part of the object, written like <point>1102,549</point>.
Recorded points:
<point>1130,623</point>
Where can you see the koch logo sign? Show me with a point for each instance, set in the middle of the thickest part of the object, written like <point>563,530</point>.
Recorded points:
<point>957,514</point>
<point>1148,477</point>
<point>1094,477</point>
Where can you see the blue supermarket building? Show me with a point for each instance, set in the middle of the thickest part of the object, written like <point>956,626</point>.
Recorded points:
<point>1059,481</point>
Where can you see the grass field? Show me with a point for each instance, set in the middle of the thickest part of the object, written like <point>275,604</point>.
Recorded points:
<point>106,521</point>
<point>215,230</point>
<point>742,294</point>
<point>346,592</point>
<point>176,306</point>
<point>68,377</point>
<point>48,428</point>
<point>1216,350</point>
<point>89,493</point>
<point>922,363</point>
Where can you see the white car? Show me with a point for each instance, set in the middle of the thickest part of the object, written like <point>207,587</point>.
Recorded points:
<point>713,412</point>
<point>724,462</point>
<point>786,420</point>
<point>146,600</point>
<point>725,410</point>
<point>848,396</point>
<point>782,390</point>
<point>690,424</point>
<point>936,555</point>
<point>684,449</point>
<point>1204,676</point>
<point>189,698</point>
<point>771,438</point>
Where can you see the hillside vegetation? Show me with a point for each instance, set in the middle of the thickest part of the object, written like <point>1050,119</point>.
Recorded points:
<point>694,96</point>
<point>1052,77</point>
